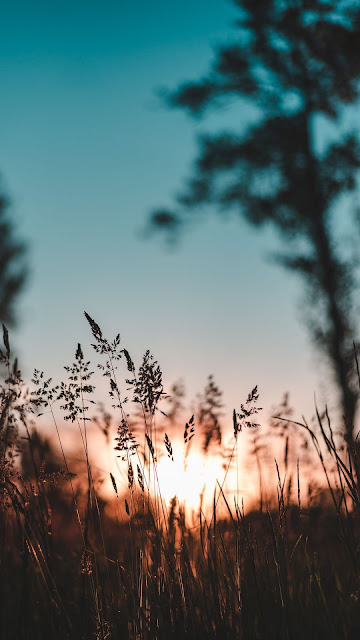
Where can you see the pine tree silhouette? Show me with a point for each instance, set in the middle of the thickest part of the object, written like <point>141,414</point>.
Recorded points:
<point>13,271</point>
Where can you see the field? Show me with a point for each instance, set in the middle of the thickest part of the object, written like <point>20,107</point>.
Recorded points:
<point>76,565</point>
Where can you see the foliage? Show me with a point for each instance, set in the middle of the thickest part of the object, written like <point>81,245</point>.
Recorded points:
<point>296,65</point>
<point>73,569</point>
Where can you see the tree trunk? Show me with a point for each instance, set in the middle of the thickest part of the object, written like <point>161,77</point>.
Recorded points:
<point>335,283</point>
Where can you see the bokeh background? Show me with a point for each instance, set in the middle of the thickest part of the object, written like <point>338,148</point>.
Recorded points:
<point>87,150</point>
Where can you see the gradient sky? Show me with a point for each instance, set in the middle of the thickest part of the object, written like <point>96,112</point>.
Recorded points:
<point>87,150</point>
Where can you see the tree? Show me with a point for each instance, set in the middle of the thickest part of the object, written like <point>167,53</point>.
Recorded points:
<point>297,61</point>
<point>12,266</point>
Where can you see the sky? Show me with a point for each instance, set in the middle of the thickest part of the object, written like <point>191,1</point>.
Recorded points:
<point>88,149</point>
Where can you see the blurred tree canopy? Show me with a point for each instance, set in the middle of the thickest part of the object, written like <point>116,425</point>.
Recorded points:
<point>13,269</point>
<point>295,61</point>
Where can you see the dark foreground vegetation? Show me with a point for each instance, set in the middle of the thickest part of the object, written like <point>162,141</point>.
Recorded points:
<point>71,568</point>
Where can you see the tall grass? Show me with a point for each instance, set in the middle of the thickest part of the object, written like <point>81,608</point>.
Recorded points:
<point>71,568</point>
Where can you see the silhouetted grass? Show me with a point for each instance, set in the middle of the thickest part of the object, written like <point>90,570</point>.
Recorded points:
<point>71,568</point>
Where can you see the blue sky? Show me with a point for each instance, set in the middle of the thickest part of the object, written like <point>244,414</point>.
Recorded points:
<point>87,150</point>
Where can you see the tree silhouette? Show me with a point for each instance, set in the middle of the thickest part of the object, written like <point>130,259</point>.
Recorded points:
<point>12,266</point>
<point>297,62</point>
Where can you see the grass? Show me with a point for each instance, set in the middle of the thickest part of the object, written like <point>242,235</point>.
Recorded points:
<point>73,568</point>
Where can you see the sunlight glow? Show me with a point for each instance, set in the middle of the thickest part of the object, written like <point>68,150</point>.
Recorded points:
<point>191,481</point>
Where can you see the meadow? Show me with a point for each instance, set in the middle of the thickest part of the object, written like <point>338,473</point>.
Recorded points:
<point>78,565</point>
